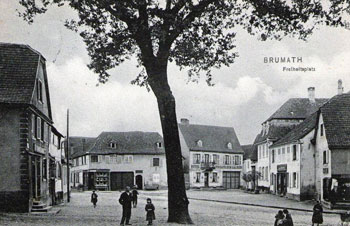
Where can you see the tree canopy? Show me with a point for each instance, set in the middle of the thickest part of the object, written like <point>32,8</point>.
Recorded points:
<point>197,35</point>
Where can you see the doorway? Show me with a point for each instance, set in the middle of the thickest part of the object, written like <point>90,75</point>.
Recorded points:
<point>35,180</point>
<point>231,179</point>
<point>139,182</point>
<point>282,183</point>
<point>119,180</point>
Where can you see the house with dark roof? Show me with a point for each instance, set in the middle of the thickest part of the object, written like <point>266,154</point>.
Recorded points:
<point>290,114</point>
<point>25,129</point>
<point>114,160</point>
<point>293,162</point>
<point>213,156</point>
<point>333,152</point>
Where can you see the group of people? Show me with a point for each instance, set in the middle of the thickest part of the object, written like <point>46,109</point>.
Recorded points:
<point>128,200</point>
<point>283,218</point>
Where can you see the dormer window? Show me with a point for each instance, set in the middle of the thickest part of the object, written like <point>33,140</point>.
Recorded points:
<point>229,145</point>
<point>159,144</point>
<point>113,145</point>
<point>199,143</point>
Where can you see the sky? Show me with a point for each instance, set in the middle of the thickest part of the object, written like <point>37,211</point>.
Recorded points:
<point>245,94</point>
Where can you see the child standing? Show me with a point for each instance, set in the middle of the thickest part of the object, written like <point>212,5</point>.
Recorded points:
<point>134,193</point>
<point>94,198</point>
<point>150,212</point>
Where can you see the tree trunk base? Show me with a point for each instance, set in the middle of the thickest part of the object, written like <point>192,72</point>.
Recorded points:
<point>181,220</point>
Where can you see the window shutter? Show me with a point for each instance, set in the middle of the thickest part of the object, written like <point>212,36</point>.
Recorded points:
<point>160,162</point>
<point>151,161</point>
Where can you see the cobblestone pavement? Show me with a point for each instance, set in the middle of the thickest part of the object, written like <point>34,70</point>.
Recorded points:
<point>108,211</point>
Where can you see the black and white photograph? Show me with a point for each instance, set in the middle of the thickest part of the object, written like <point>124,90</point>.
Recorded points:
<point>175,112</point>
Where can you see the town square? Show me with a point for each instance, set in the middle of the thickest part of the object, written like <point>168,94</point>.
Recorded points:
<point>169,112</point>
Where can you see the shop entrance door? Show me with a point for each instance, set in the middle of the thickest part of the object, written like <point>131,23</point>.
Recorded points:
<point>282,183</point>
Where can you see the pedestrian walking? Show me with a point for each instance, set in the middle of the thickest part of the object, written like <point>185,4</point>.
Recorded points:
<point>125,200</point>
<point>135,193</point>
<point>288,221</point>
<point>317,217</point>
<point>94,198</point>
<point>279,218</point>
<point>150,212</point>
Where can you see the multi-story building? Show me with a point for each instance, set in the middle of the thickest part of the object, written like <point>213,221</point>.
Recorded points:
<point>25,128</point>
<point>293,162</point>
<point>213,156</point>
<point>115,160</point>
<point>290,114</point>
<point>333,152</point>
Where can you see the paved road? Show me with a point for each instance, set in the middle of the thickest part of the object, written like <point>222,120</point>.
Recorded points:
<point>108,211</point>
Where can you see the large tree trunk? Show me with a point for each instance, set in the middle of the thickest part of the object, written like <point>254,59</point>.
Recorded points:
<point>177,198</point>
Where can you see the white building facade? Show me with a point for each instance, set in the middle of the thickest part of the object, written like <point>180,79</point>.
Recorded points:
<point>213,156</point>
<point>116,160</point>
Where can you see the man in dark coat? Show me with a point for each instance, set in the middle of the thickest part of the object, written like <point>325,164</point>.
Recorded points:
<point>317,217</point>
<point>288,221</point>
<point>125,200</point>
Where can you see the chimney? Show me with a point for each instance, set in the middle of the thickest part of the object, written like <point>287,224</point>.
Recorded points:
<point>311,91</point>
<point>340,87</point>
<point>185,121</point>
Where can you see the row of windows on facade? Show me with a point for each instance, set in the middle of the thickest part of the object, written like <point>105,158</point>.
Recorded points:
<point>200,144</point>
<point>283,154</point>
<point>215,158</point>
<point>280,154</point>
<point>199,177</point>
<point>114,144</point>
<point>118,159</point>
<point>103,178</point>
<point>263,150</point>
<point>41,131</point>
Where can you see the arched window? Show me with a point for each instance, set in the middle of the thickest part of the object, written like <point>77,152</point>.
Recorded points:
<point>229,145</point>
<point>199,143</point>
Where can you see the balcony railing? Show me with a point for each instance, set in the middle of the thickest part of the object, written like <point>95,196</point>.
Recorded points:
<point>207,165</point>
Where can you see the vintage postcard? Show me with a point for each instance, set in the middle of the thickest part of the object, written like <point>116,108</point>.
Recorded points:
<point>167,112</point>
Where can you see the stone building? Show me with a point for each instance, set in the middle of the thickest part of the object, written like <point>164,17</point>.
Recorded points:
<point>213,156</point>
<point>115,160</point>
<point>25,128</point>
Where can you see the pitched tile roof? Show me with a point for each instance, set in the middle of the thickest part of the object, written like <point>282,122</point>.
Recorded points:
<point>18,68</point>
<point>336,118</point>
<point>247,150</point>
<point>126,143</point>
<point>299,131</point>
<point>297,108</point>
<point>275,132</point>
<point>254,150</point>
<point>80,145</point>
<point>214,138</point>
